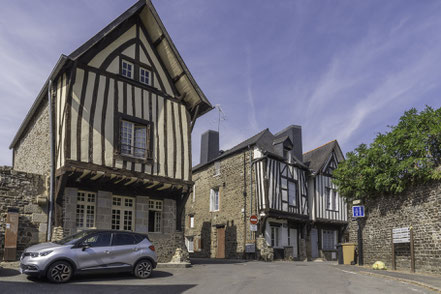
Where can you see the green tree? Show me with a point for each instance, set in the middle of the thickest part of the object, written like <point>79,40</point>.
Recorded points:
<point>410,153</point>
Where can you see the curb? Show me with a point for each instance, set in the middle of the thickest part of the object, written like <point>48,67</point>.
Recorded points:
<point>173,265</point>
<point>421,284</point>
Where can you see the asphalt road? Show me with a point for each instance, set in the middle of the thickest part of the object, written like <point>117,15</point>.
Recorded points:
<point>221,277</point>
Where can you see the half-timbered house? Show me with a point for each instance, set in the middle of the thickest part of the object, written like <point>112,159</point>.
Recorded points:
<point>262,176</point>
<point>328,210</point>
<point>118,113</point>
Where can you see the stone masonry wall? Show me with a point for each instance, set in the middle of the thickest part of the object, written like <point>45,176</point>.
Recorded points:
<point>231,204</point>
<point>27,193</point>
<point>32,153</point>
<point>420,207</point>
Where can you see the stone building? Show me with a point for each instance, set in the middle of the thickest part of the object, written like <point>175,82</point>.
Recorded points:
<point>264,176</point>
<point>118,114</point>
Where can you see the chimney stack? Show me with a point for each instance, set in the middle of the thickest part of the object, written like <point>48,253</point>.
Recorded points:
<point>209,146</point>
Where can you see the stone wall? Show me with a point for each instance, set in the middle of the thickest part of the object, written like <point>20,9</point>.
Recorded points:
<point>419,207</point>
<point>231,204</point>
<point>32,152</point>
<point>27,193</point>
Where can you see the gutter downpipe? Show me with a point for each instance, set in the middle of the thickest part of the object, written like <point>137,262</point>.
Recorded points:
<point>52,171</point>
<point>251,187</point>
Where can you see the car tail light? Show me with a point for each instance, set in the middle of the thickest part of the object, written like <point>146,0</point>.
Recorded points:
<point>152,248</point>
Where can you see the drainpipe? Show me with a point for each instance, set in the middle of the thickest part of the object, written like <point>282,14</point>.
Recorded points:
<point>52,171</point>
<point>245,203</point>
<point>251,187</point>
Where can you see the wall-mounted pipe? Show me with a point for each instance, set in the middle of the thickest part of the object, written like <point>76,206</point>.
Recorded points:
<point>52,170</point>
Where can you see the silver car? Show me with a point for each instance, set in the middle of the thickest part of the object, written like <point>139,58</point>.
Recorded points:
<point>90,251</point>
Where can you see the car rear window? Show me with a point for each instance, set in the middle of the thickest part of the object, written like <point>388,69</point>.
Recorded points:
<point>123,239</point>
<point>139,238</point>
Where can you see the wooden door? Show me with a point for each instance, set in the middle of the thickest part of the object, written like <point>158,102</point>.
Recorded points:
<point>220,253</point>
<point>314,243</point>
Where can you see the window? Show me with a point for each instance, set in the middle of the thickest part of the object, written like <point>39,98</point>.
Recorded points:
<point>155,215</point>
<point>85,214</point>
<point>127,69</point>
<point>287,154</point>
<point>217,167</point>
<point>135,139</point>
<point>144,76</point>
<point>191,220</point>
<point>292,193</point>
<point>194,193</point>
<point>289,194</point>
<point>214,199</point>
<point>329,240</point>
<point>123,213</point>
<point>289,237</point>
<point>331,199</point>
<point>120,239</point>
<point>275,236</point>
<point>98,240</point>
<point>189,243</point>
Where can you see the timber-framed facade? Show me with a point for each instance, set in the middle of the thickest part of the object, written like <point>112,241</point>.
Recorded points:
<point>123,107</point>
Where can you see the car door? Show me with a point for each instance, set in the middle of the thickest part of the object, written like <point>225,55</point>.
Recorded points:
<point>94,251</point>
<point>124,249</point>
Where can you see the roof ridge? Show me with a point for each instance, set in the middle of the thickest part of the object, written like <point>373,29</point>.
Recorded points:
<point>335,140</point>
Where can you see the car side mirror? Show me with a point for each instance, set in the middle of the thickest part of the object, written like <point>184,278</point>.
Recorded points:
<point>84,246</point>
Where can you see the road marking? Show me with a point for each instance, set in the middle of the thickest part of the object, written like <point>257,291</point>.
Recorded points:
<point>349,272</point>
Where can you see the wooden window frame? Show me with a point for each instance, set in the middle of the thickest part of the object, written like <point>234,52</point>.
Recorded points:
<point>119,118</point>
<point>85,203</point>
<point>331,198</point>
<point>212,205</point>
<point>291,208</point>
<point>123,60</point>
<point>122,207</point>
<point>153,208</point>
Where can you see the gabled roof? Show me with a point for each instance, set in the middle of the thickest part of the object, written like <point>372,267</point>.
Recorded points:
<point>317,158</point>
<point>173,62</point>
<point>264,140</point>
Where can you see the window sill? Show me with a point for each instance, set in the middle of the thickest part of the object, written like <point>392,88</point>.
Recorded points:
<point>133,159</point>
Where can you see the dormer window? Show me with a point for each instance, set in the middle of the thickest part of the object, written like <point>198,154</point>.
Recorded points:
<point>287,154</point>
<point>144,76</point>
<point>127,69</point>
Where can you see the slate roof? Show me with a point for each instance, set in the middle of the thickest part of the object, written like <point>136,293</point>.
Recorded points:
<point>317,157</point>
<point>264,140</point>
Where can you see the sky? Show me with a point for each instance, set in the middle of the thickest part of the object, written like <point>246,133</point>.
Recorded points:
<point>342,70</point>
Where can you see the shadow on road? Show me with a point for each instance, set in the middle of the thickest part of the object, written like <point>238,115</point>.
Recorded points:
<point>8,272</point>
<point>17,287</point>
<point>217,261</point>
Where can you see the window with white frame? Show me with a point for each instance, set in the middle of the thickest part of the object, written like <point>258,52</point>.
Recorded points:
<point>155,215</point>
<point>123,213</point>
<point>214,199</point>
<point>191,220</point>
<point>135,139</point>
<point>144,76</point>
<point>127,69</point>
<point>275,236</point>
<point>329,239</point>
<point>331,199</point>
<point>86,210</point>
<point>217,167</point>
<point>190,244</point>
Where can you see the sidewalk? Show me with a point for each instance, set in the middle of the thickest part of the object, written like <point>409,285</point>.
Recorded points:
<point>430,281</point>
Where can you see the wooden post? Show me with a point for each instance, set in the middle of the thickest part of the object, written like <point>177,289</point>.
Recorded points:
<point>394,267</point>
<point>412,252</point>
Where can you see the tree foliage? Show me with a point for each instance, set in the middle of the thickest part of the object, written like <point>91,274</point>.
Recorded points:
<point>409,153</point>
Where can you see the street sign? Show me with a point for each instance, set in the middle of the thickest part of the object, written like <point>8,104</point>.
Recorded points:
<point>253,228</point>
<point>358,211</point>
<point>401,235</point>
<point>250,248</point>
<point>254,220</point>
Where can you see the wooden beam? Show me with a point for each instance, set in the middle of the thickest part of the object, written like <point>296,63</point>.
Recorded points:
<point>132,180</point>
<point>193,119</point>
<point>159,40</point>
<point>178,77</point>
<point>85,173</point>
<point>98,175</point>
<point>120,179</point>
<point>165,186</point>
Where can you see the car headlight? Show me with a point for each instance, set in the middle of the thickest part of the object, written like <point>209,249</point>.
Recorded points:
<point>33,254</point>
<point>45,253</point>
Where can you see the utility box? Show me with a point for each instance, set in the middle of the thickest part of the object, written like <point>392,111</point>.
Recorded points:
<point>348,252</point>
<point>11,235</point>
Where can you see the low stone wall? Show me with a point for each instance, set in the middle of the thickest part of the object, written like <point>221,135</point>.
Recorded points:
<point>419,207</point>
<point>23,191</point>
<point>166,244</point>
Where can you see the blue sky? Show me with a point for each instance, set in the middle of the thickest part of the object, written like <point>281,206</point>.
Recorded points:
<point>341,69</point>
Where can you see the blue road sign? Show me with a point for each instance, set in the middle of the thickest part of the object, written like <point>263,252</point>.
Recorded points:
<point>358,211</point>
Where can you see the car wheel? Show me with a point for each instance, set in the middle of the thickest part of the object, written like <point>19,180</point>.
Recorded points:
<point>59,272</point>
<point>143,269</point>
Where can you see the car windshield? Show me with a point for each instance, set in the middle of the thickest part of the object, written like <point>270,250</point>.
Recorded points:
<point>72,238</point>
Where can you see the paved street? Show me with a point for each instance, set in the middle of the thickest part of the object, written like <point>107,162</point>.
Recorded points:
<point>223,277</point>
